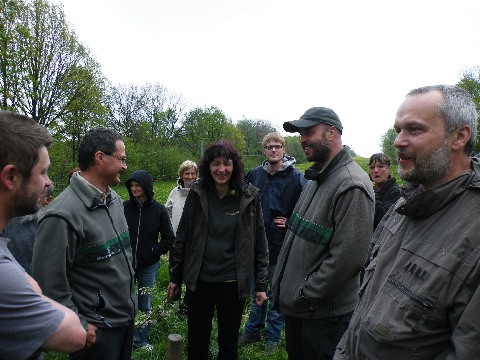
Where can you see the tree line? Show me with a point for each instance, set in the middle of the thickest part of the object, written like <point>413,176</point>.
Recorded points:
<point>48,74</point>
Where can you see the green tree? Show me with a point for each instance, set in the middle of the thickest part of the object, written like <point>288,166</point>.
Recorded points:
<point>49,69</point>
<point>203,126</point>
<point>254,131</point>
<point>470,82</point>
<point>386,144</point>
<point>294,148</point>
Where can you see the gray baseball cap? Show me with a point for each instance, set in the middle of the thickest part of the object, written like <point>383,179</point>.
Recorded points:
<point>314,116</point>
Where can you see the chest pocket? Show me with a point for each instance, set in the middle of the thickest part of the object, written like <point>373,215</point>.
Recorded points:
<point>413,302</point>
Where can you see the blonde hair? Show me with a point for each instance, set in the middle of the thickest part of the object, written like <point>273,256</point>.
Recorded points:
<point>187,164</point>
<point>273,136</point>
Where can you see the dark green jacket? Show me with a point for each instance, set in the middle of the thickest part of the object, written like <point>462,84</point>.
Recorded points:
<point>82,254</point>
<point>251,248</point>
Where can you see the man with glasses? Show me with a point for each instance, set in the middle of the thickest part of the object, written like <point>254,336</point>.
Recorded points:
<point>316,281</point>
<point>280,185</point>
<point>82,255</point>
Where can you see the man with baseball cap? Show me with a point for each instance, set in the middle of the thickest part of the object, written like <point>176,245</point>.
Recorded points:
<point>317,275</point>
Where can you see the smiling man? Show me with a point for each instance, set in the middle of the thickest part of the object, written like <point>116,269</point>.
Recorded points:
<point>82,255</point>
<point>420,297</point>
<point>316,280</point>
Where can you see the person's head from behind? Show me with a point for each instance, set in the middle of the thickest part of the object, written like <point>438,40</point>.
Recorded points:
<point>436,131</point>
<point>221,165</point>
<point>103,151</point>
<point>187,173</point>
<point>273,147</point>
<point>24,163</point>
<point>379,169</point>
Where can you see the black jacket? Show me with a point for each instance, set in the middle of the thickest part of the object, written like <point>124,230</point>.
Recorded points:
<point>146,222</point>
<point>384,199</point>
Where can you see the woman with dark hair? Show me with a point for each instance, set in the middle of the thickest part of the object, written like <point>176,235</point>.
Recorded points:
<point>219,250</point>
<point>385,186</point>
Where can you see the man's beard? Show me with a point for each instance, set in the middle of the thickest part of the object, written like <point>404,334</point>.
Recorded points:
<point>321,150</point>
<point>428,168</point>
<point>25,202</point>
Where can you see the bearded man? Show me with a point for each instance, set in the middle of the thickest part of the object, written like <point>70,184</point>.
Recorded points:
<point>316,280</point>
<point>420,296</point>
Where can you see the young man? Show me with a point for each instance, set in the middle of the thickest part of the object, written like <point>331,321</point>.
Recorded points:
<point>29,321</point>
<point>82,254</point>
<point>280,185</point>
<point>420,297</point>
<point>317,276</point>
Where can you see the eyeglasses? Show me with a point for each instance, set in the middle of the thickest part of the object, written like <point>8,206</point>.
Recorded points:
<point>272,147</point>
<point>123,160</point>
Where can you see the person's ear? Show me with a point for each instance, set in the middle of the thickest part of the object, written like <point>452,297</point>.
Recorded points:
<point>10,177</point>
<point>461,137</point>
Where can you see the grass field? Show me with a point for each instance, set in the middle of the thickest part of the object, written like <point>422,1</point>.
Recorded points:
<point>165,318</point>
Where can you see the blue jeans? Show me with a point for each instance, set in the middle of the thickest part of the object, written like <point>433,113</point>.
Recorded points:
<point>145,277</point>
<point>256,319</point>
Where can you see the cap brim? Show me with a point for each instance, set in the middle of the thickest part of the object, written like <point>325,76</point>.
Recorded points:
<point>296,125</point>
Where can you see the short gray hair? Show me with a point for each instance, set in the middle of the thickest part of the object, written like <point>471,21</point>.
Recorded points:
<point>457,109</point>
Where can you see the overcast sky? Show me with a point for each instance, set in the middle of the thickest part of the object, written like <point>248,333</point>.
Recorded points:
<point>272,60</point>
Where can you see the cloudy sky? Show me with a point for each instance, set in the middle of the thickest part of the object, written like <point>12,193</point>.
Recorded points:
<point>273,59</point>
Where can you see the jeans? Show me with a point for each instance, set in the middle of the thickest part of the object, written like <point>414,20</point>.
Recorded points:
<point>256,319</point>
<point>201,305</point>
<point>314,338</point>
<point>145,277</point>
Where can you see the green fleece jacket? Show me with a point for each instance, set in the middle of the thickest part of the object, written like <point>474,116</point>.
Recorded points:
<point>82,256</point>
<point>328,237</point>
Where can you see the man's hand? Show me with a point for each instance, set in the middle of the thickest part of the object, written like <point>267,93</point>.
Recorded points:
<point>260,297</point>
<point>280,221</point>
<point>91,335</point>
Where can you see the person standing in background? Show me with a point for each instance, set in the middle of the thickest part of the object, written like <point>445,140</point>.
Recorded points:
<point>29,321</point>
<point>385,186</point>
<point>147,219</point>
<point>316,280</point>
<point>220,248</point>
<point>280,185</point>
<point>187,175</point>
<point>82,255</point>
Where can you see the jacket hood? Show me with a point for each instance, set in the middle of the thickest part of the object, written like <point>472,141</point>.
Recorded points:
<point>287,162</point>
<point>144,178</point>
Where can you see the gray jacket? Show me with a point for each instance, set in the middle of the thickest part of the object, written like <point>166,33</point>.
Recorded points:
<point>317,274</point>
<point>420,298</point>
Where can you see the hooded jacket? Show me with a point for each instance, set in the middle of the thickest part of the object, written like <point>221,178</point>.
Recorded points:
<point>278,193</point>
<point>384,199</point>
<point>251,248</point>
<point>147,221</point>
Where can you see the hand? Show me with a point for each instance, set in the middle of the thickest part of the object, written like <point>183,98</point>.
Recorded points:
<point>173,290</point>
<point>91,335</point>
<point>280,221</point>
<point>260,297</point>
